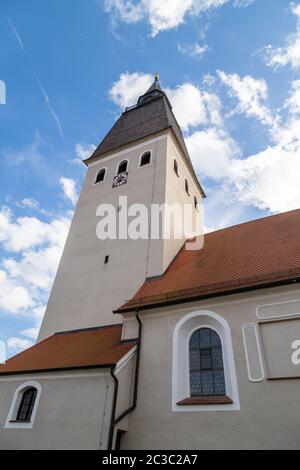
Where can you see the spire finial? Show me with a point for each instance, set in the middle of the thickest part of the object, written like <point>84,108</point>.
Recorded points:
<point>156,77</point>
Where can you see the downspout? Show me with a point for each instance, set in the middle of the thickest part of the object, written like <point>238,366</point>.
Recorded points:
<point>114,420</point>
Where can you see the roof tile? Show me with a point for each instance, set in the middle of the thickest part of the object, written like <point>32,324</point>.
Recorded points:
<point>248,255</point>
<point>94,347</point>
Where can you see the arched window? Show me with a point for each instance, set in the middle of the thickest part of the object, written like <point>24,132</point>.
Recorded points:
<point>27,403</point>
<point>100,176</point>
<point>186,186</point>
<point>123,166</point>
<point>206,364</point>
<point>203,372</point>
<point>176,167</point>
<point>145,159</point>
<point>24,406</point>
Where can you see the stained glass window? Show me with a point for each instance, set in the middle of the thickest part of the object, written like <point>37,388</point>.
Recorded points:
<point>27,404</point>
<point>206,364</point>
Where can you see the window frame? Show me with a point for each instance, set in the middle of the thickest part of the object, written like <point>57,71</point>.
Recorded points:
<point>182,332</point>
<point>97,173</point>
<point>26,408</point>
<point>141,157</point>
<point>119,164</point>
<point>11,420</point>
<point>208,348</point>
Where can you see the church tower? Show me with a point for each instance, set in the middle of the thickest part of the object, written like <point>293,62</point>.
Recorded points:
<point>144,159</point>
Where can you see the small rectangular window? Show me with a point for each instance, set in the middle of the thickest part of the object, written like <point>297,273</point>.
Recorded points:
<point>106,259</point>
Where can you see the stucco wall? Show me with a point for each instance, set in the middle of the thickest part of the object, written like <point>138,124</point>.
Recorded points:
<point>73,412</point>
<point>269,416</point>
<point>86,290</point>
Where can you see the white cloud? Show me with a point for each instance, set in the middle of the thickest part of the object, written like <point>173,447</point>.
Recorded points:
<point>36,268</point>
<point>83,152</point>
<point>268,180</point>
<point>18,344</point>
<point>212,151</point>
<point>193,50</point>
<point>29,203</point>
<point>69,188</point>
<point>13,296</point>
<point>251,94</point>
<point>31,332</point>
<point>126,91</point>
<point>18,234</point>
<point>53,113</point>
<point>163,15</point>
<point>290,53</point>
<point>293,102</point>
<point>16,34</point>
<point>27,278</point>
<point>191,105</point>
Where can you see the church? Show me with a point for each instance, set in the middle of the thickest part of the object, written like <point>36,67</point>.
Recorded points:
<point>147,343</point>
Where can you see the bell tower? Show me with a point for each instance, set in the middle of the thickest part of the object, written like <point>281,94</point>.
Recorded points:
<point>142,160</point>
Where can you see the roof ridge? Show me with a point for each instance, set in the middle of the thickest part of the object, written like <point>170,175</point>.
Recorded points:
<point>260,219</point>
<point>82,330</point>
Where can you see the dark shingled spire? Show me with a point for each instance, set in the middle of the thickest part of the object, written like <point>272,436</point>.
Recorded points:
<point>153,92</point>
<point>152,114</point>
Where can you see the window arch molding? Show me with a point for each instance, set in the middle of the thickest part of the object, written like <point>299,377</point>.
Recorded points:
<point>15,404</point>
<point>180,368</point>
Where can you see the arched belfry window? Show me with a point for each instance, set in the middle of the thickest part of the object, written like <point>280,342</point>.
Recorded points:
<point>123,167</point>
<point>26,405</point>
<point>206,364</point>
<point>145,159</point>
<point>100,176</point>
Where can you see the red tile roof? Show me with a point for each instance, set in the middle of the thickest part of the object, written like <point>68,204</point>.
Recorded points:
<point>90,348</point>
<point>247,256</point>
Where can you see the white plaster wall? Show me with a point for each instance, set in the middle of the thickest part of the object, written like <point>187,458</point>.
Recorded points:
<point>269,416</point>
<point>73,412</point>
<point>86,291</point>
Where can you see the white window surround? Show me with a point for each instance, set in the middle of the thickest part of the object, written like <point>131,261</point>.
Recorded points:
<point>257,344</point>
<point>95,179</point>
<point>10,420</point>
<point>180,373</point>
<point>141,156</point>
<point>119,163</point>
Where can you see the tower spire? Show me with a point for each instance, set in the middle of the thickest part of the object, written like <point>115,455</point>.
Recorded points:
<point>153,92</point>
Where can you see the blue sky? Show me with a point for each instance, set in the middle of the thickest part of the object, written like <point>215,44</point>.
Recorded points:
<point>231,69</point>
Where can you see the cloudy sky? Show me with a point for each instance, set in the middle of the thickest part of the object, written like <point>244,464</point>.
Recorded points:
<point>231,71</point>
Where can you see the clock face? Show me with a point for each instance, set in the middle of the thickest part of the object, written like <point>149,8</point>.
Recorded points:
<point>120,179</point>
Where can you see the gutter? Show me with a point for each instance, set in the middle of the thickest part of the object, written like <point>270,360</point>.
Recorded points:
<point>114,421</point>
<point>58,369</point>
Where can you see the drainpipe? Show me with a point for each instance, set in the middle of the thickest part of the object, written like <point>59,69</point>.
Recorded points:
<point>114,420</point>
